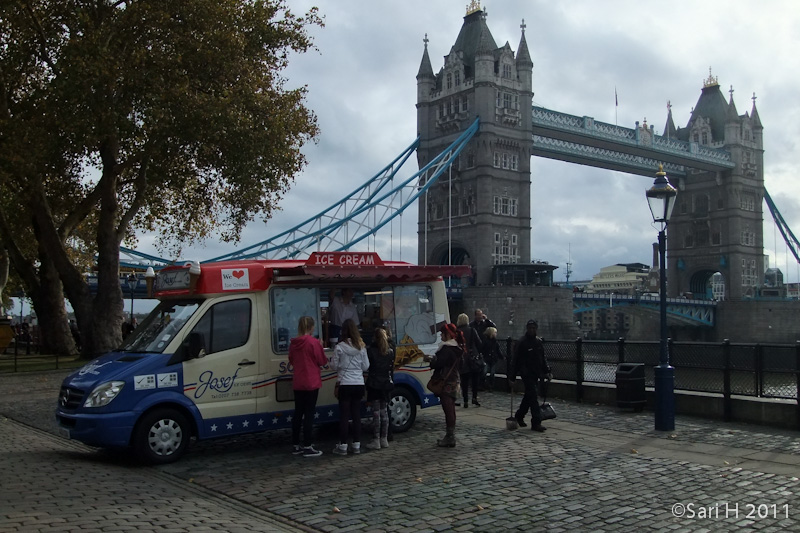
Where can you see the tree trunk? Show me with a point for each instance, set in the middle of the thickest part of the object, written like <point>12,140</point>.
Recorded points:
<point>4,263</point>
<point>48,301</point>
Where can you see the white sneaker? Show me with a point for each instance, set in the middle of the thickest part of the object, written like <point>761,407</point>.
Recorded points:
<point>297,450</point>
<point>310,451</point>
<point>356,448</point>
<point>340,449</point>
<point>384,442</point>
<point>374,444</point>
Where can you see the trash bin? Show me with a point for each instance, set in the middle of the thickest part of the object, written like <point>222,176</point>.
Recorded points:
<point>630,386</point>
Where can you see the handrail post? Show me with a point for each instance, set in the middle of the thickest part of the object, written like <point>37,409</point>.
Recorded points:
<point>759,370</point>
<point>579,370</point>
<point>621,350</point>
<point>797,380</point>
<point>509,362</point>
<point>726,380</point>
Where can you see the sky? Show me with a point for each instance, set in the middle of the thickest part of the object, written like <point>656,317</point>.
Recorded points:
<point>362,87</point>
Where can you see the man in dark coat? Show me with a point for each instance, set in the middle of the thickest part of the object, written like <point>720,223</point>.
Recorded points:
<point>531,365</point>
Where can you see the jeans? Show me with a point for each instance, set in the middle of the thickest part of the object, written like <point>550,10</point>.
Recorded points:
<point>350,408</point>
<point>530,401</point>
<point>468,379</point>
<point>305,401</point>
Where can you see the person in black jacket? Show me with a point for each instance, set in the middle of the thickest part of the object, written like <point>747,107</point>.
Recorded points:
<point>481,324</point>
<point>472,366</point>
<point>531,365</point>
<point>379,384</point>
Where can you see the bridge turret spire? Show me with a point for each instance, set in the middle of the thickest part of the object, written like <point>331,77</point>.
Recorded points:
<point>523,55</point>
<point>733,115</point>
<point>754,115</point>
<point>670,131</point>
<point>425,67</point>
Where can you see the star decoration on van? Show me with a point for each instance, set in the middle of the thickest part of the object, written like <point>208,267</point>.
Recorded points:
<point>230,425</point>
<point>213,427</point>
<point>260,422</point>
<point>246,423</point>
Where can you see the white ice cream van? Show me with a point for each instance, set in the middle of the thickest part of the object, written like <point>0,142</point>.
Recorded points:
<point>211,360</point>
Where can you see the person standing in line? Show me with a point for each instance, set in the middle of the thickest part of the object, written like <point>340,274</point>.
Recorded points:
<point>379,384</point>
<point>307,358</point>
<point>531,365</point>
<point>472,364</point>
<point>491,353</point>
<point>445,364</point>
<point>351,362</point>
<point>480,324</point>
<point>342,308</point>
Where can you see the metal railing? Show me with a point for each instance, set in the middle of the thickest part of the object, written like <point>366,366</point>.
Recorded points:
<point>726,368</point>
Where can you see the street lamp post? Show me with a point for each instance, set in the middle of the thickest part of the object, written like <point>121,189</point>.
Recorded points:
<point>133,281</point>
<point>661,198</point>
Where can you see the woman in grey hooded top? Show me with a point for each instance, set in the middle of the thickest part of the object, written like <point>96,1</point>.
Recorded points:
<point>351,362</point>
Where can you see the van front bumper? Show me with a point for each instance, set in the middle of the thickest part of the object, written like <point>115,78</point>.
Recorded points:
<point>104,430</point>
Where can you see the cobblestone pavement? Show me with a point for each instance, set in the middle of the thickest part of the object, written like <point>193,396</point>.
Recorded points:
<point>596,469</point>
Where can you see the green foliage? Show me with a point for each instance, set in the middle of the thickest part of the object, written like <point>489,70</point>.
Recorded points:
<point>143,115</point>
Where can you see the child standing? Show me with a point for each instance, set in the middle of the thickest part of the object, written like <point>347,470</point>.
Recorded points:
<point>307,357</point>
<point>379,384</point>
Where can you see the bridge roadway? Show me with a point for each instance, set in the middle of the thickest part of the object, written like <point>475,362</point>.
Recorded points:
<point>687,311</point>
<point>586,141</point>
<point>597,468</point>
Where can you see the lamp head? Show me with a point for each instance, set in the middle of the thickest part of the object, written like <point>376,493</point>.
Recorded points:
<point>661,197</point>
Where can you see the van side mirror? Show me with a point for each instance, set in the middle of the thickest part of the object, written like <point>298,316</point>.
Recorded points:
<point>196,345</point>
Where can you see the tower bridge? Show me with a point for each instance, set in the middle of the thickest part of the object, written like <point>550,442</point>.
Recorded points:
<point>478,129</point>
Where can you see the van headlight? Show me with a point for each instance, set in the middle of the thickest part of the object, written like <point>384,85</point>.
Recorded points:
<point>103,394</point>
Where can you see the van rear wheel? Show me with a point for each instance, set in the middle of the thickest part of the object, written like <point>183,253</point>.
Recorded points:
<point>161,436</point>
<point>402,410</point>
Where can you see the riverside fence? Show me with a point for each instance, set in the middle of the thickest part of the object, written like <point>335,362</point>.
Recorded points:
<point>727,369</point>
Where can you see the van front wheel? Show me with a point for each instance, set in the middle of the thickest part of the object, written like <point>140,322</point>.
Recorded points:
<point>402,410</point>
<point>161,436</point>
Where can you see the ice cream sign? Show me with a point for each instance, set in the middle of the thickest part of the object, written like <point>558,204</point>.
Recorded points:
<point>341,259</point>
<point>235,279</point>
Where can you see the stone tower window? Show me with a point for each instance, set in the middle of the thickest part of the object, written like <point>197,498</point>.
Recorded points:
<point>507,71</point>
<point>449,80</point>
<point>458,77</point>
<point>747,202</point>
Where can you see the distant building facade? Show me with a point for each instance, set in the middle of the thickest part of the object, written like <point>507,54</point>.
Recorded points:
<point>628,278</point>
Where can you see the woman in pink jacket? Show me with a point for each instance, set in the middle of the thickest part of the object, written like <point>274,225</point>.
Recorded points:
<point>307,358</point>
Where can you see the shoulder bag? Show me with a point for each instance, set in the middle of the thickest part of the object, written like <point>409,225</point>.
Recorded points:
<point>438,386</point>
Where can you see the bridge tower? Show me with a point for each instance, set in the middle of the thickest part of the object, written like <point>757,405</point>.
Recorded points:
<point>717,222</point>
<point>479,213</point>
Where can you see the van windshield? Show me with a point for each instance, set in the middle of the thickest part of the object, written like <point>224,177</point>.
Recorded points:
<point>161,326</point>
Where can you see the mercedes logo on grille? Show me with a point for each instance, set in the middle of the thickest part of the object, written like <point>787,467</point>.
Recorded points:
<point>64,399</point>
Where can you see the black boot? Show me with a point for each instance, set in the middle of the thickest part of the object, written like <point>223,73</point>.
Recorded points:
<point>449,440</point>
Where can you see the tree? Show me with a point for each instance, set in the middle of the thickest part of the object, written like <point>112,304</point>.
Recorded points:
<point>141,115</point>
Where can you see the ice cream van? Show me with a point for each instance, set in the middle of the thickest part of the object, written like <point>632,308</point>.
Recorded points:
<point>211,360</point>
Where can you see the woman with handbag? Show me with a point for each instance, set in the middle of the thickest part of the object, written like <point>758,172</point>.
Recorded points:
<point>350,361</point>
<point>445,380</point>
<point>472,367</point>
